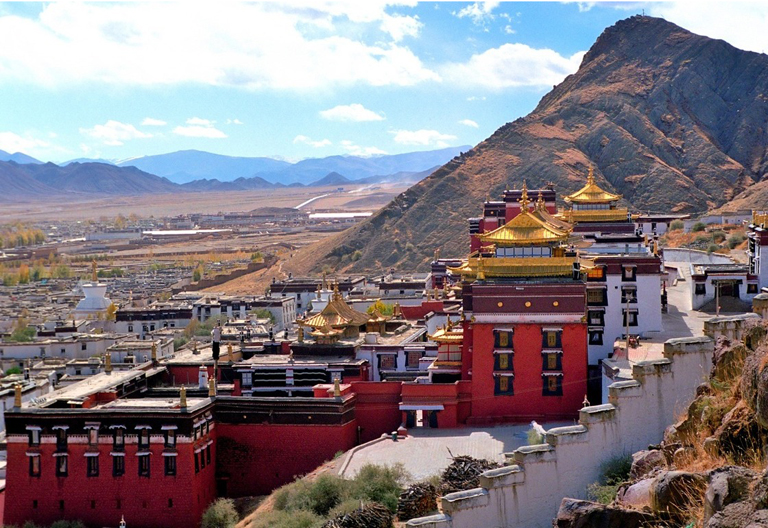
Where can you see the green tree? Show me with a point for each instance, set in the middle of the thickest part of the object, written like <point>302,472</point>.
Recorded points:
<point>382,307</point>
<point>263,313</point>
<point>220,514</point>
<point>698,226</point>
<point>22,332</point>
<point>676,225</point>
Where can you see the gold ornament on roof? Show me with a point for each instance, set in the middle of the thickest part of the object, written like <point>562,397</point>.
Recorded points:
<point>94,275</point>
<point>524,201</point>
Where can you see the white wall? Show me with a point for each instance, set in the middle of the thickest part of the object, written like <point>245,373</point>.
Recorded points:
<point>527,493</point>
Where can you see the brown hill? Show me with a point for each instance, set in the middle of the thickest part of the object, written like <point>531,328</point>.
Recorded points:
<point>672,120</point>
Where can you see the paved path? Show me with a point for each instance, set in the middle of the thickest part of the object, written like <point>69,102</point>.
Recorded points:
<point>427,452</point>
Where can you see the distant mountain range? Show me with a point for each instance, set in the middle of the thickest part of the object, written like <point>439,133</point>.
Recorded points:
<point>24,178</point>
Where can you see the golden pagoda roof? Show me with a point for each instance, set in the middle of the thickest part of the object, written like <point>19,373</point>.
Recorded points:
<point>482,268</point>
<point>592,193</point>
<point>448,334</point>
<point>337,313</point>
<point>325,331</point>
<point>540,210</point>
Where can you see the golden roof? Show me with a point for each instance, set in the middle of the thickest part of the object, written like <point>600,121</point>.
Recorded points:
<point>540,210</point>
<point>526,229</point>
<point>337,313</point>
<point>448,334</point>
<point>591,193</point>
<point>325,331</point>
<point>480,268</point>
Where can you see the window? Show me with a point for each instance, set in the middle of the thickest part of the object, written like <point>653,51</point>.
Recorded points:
<point>208,455</point>
<point>552,362</point>
<point>118,440</point>
<point>630,316</point>
<point>34,504</point>
<point>595,337</point>
<point>503,362</point>
<point>34,437</point>
<point>170,439</point>
<point>170,503</point>
<point>596,297</point>
<point>34,466</point>
<point>553,386</point>
<point>387,362</point>
<point>596,317</point>
<point>502,338</point>
<point>628,295</point>
<point>247,379</point>
<point>700,289</point>
<point>61,439</point>
<point>197,465</point>
<point>202,460</point>
<point>751,288</point>
<point>93,436</point>
<point>503,385</point>
<point>84,346</point>
<point>61,465</point>
<point>170,466</point>
<point>144,466</point>
<point>93,466</point>
<point>144,439</point>
<point>118,466</point>
<point>412,358</point>
<point>596,274</point>
<point>130,328</point>
<point>628,273</point>
<point>551,339</point>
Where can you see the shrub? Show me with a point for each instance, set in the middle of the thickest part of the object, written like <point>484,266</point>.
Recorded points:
<point>68,524</point>
<point>379,484</point>
<point>325,493</point>
<point>534,437</point>
<point>357,255</point>
<point>282,519</point>
<point>712,248</point>
<point>703,239</point>
<point>735,239</point>
<point>13,370</point>
<point>614,472</point>
<point>180,342</point>
<point>676,225</point>
<point>220,514</point>
<point>718,236</point>
<point>698,226</point>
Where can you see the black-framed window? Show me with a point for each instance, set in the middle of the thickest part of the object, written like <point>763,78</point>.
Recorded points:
<point>596,297</point>
<point>118,466</point>
<point>387,361</point>
<point>700,289</point>
<point>170,439</point>
<point>144,466</point>
<point>61,439</point>
<point>628,295</point>
<point>551,338</point>
<point>552,386</point>
<point>118,439</point>
<point>34,437</point>
<point>202,459</point>
<point>62,465</point>
<point>596,317</point>
<point>197,464</point>
<point>144,439</point>
<point>628,273</point>
<point>503,362</point>
<point>412,358</point>
<point>170,466</point>
<point>34,466</point>
<point>595,337</point>
<point>92,466</point>
<point>208,455</point>
<point>503,385</point>
<point>502,339</point>
<point>630,315</point>
<point>751,288</point>
<point>552,362</point>
<point>596,274</point>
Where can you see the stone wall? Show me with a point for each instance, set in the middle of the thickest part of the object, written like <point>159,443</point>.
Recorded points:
<point>526,493</point>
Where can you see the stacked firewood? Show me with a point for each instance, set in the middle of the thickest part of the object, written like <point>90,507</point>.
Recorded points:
<point>464,473</point>
<point>417,500</point>
<point>372,515</point>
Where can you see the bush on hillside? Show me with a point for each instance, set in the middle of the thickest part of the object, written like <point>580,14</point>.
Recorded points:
<point>698,226</point>
<point>676,225</point>
<point>613,472</point>
<point>220,514</point>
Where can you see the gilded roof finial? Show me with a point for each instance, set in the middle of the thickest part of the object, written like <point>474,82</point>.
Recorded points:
<point>212,387</point>
<point>437,254</point>
<point>336,293</point>
<point>183,398</point>
<point>540,202</point>
<point>336,388</point>
<point>524,201</point>
<point>94,275</point>
<point>154,351</point>
<point>17,396</point>
<point>591,176</point>
<point>480,271</point>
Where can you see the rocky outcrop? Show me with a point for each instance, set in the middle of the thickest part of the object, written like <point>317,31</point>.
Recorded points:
<point>575,513</point>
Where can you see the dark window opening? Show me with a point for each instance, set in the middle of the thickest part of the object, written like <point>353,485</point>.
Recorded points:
<point>595,337</point>
<point>630,318</point>
<point>118,466</point>
<point>61,466</point>
<point>93,466</point>
<point>553,386</point>
<point>170,466</point>
<point>502,339</point>
<point>503,385</point>
<point>144,466</point>
<point>34,466</point>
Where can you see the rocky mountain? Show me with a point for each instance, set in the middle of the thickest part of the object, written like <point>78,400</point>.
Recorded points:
<point>240,184</point>
<point>17,157</point>
<point>332,178</point>
<point>35,181</point>
<point>672,120</point>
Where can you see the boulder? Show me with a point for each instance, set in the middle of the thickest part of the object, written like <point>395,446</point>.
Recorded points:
<point>644,461</point>
<point>574,513</point>
<point>728,361</point>
<point>736,515</point>
<point>727,485</point>
<point>739,433</point>
<point>754,384</point>
<point>683,455</point>
<point>754,334</point>
<point>674,492</point>
<point>637,496</point>
<point>760,492</point>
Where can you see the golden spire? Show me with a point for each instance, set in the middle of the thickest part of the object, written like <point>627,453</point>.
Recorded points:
<point>17,396</point>
<point>336,388</point>
<point>324,284</point>
<point>94,275</point>
<point>212,388</point>
<point>229,352</point>
<point>524,201</point>
<point>449,325</point>
<point>183,398</point>
<point>396,310</point>
<point>154,351</point>
<point>480,270</point>
<point>301,333</point>
<point>591,176</point>
<point>437,254</point>
<point>540,202</point>
<point>108,363</point>
<point>336,293</point>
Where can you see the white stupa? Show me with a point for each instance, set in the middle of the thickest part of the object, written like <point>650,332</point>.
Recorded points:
<point>95,303</point>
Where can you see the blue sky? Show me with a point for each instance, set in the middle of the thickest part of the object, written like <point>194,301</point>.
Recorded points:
<point>299,79</point>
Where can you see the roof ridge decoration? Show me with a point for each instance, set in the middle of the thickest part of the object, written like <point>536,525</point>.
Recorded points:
<point>526,228</point>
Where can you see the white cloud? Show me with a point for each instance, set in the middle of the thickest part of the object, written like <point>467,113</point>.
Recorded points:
<point>512,65</point>
<point>148,121</point>
<point>399,26</point>
<point>585,6</point>
<point>114,133</point>
<point>422,137</point>
<point>308,141</point>
<point>199,128</point>
<point>479,12</point>
<point>301,45</point>
<point>356,150</point>
<point>234,122</point>
<point>476,98</point>
<point>13,143</point>
<point>196,121</point>
<point>351,112</point>
<point>741,24</point>
<point>508,30</point>
<point>469,123</point>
